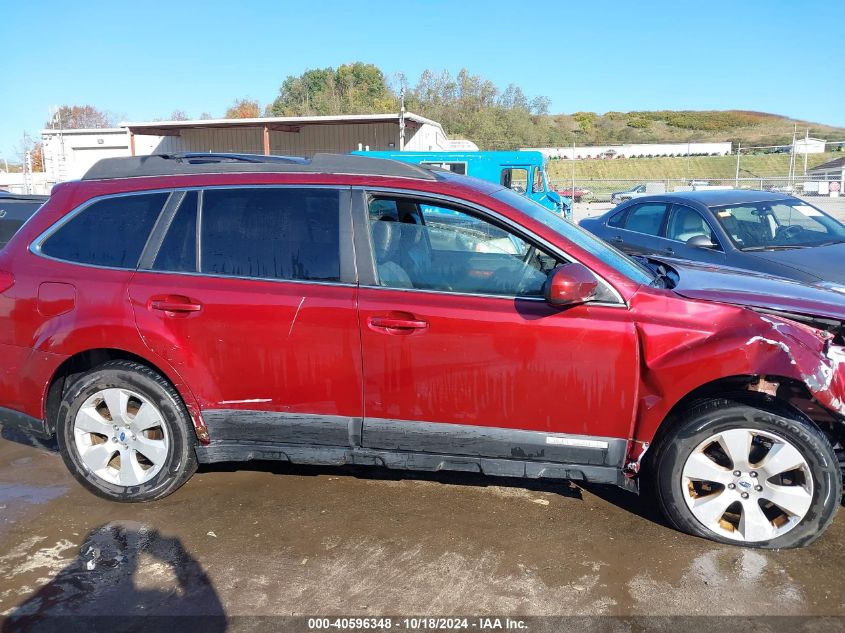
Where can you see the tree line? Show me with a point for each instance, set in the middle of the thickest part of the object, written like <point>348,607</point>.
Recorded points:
<point>467,105</point>
<point>472,107</point>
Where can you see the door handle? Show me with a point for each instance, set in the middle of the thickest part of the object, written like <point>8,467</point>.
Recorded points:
<point>396,325</point>
<point>669,251</point>
<point>617,239</point>
<point>175,304</point>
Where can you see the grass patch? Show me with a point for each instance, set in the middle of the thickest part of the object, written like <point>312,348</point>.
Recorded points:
<point>694,167</point>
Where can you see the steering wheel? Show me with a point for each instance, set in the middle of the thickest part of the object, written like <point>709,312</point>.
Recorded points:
<point>529,253</point>
<point>507,280</point>
<point>788,232</point>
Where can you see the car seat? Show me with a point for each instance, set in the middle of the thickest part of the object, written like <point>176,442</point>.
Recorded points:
<point>387,243</point>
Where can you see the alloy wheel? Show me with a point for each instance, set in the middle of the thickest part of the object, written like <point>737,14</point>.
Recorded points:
<point>747,485</point>
<point>121,437</point>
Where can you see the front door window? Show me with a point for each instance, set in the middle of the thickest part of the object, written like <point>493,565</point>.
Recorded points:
<point>431,247</point>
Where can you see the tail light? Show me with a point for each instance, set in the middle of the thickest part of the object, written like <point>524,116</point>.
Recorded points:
<point>7,280</point>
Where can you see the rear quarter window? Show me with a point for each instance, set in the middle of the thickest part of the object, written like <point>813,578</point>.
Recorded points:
<point>617,219</point>
<point>13,214</point>
<point>111,232</point>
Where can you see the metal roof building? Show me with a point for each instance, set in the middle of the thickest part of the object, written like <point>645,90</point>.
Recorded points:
<point>831,170</point>
<point>70,153</point>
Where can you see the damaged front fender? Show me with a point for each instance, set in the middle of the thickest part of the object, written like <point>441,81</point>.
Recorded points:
<point>730,341</point>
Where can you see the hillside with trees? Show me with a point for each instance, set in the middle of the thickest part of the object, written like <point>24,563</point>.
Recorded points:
<point>470,106</point>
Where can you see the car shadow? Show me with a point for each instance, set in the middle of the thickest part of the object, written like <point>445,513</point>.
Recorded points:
<point>561,487</point>
<point>641,505</point>
<point>12,434</point>
<point>126,577</point>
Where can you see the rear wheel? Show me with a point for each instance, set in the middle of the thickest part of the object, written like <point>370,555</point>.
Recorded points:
<point>124,433</point>
<point>738,474</point>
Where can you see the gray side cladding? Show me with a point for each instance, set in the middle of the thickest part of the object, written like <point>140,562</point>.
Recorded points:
<point>272,427</point>
<point>409,445</point>
<point>482,441</point>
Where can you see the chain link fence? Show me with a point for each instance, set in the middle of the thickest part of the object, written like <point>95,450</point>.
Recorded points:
<point>618,190</point>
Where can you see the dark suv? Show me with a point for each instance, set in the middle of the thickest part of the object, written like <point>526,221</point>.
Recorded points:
<point>169,310</point>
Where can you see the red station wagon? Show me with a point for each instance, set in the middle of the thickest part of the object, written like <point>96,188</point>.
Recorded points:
<point>170,310</point>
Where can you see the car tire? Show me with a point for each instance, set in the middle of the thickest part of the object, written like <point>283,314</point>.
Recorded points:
<point>144,451</point>
<point>789,485</point>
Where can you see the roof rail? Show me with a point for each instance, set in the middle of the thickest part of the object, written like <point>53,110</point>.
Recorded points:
<point>215,163</point>
<point>202,158</point>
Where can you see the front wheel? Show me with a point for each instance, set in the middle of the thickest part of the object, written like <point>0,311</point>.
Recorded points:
<point>738,474</point>
<point>124,433</point>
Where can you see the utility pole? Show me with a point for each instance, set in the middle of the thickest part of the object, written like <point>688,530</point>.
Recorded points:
<point>791,175</point>
<point>738,150</point>
<point>402,120</point>
<point>27,172</point>
<point>572,193</point>
<point>806,146</point>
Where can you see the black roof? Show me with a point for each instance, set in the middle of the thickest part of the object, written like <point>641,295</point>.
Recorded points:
<point>216,163</point>
<point>831,164</point>
<point>718,197</point>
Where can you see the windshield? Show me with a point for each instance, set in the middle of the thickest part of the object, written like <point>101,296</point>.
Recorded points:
<point>778,224</point>
<point>578,236</point>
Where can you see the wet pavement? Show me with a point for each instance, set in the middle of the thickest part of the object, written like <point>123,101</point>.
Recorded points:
<point>273,539</point>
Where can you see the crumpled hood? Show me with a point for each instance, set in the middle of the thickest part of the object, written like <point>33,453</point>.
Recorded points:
<point>755,290</point>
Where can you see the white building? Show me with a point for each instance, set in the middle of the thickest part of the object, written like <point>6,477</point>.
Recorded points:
<point>810,145</point>
<point>636,149</point>
<point>19,182</point>
<point>69,153</point>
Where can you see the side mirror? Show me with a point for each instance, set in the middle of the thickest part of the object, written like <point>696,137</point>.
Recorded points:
<point>570,284</point>
<point>700,241</point>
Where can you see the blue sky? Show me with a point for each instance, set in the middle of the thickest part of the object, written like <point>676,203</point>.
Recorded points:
<point>142,60</point>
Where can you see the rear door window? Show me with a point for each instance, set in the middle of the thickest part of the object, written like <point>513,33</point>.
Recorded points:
<point>271,233</point>
<point>646,218</point>
<point>111,232</point>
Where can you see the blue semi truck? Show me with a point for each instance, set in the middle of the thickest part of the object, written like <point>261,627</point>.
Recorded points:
<point>524,172</point>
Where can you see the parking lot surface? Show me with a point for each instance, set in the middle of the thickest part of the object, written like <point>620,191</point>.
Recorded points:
<point>273,539</point>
